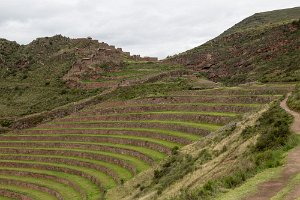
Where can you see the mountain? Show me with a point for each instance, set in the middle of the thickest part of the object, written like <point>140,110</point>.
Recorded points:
<point>263,47</point>
<point>54,71</point>
<point>81,119</point>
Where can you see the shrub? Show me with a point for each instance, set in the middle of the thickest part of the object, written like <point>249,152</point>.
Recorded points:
<point>294,99</point>
<point>174,168</point>
<point>175,150</point>
<point>273,128</point>
<point>5,123</point>
<point>62,92</point>
<point>204,156</point>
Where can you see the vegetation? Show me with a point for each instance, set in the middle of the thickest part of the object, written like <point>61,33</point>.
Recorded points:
<point>294,99</point>
<point>31,77</point>
<point>150,89</point>
<point>274,139</point>
<point>185,129</point>
<point>109,151</point>
<point>263,43</point>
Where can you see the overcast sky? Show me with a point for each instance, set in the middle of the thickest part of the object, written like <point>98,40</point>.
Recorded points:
<point>146,27</point>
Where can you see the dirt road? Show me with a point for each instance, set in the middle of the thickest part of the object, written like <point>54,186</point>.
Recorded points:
<point>269,189</point>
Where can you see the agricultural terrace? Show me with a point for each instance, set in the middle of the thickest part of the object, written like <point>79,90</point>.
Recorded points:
<point>89,152</point>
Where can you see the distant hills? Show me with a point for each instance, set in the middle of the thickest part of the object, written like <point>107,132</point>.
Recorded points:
<point>263,47</point>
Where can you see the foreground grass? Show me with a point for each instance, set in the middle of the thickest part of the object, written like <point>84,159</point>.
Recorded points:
<point>94,195</point>
<point>65,190</point>
<point>106,180</point>
<point>293,184</point>
<point>89,188</point>
<point>250,186</point>
<point>34,194</point>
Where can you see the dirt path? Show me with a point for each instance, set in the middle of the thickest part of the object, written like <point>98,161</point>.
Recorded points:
<point>296,124</point>
<point>270,188</point>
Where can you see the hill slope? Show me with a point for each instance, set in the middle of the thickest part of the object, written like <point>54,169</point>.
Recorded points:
<point>158,130</point>
<point>263,47</point>
<point>53,71</point>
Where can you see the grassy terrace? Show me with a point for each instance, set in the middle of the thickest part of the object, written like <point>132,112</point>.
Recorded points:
<point>74,185</point>
<point>34,194</point>
<point>104,145</point>
<point>64,190</point>
<point>105,106</point>
<point>108,181</point>
<point>140,165</point>
<point>155,155</point>
<point>121,172</point>
<point>171,112</point>
<point>105,180</point>
<point>151,130</point>
<point>61,137</point>
<point>82,186</point>
<point>206,126</point>
<point>93,190</point>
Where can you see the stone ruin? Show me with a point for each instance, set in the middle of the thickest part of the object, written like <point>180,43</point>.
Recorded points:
<point>147,59</point>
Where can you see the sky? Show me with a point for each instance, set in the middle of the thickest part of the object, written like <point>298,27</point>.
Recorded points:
<point>147,27</point>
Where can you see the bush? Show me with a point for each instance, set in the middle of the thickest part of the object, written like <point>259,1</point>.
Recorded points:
<point>5,123</point>
<point>273,128</point>
<point>294,99</point>
<point>174,168</point>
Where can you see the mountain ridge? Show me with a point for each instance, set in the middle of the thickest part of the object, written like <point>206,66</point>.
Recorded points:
<point>254,54</point>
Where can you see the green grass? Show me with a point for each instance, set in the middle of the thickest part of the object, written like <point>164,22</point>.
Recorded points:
<point>122,172</point>
<point>34,194</point>
<point>155,155</point>
<point>107,181</point>
<point>24,100</point>
<point>91,172</point>
<point>139,164</point>
<point>66,191</point>
<point>205,126</point>
<point>4,198</point>
<point>160,131</point>
<point>293,184</point>
<point>161,142</point>
<point>250,186</point>
<point>89,188</point>
<point>223,114</point>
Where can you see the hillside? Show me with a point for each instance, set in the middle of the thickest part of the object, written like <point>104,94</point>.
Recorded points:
<point>84,120</point>
<point>55,71</point>
<point>263,47</point>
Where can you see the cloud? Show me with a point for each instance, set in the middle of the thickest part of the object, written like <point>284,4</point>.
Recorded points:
<point>147,27</point>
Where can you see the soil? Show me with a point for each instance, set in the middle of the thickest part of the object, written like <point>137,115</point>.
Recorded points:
<point>269,189</point>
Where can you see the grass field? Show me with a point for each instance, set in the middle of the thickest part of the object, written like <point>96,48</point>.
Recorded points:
<point>105,145</point>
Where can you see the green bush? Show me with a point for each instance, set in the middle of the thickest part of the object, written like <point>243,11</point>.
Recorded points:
<point>273,128</point>
<point>294,99</point>
<point>174,168</point>
<point>5,123</point>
